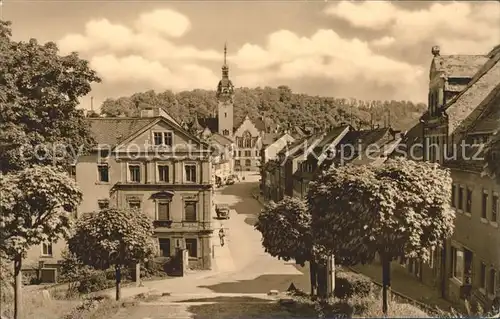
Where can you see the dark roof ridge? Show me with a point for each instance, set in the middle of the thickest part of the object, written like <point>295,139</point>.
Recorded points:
<point>479,74</point>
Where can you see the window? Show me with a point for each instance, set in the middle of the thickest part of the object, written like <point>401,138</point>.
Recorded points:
<point>192,247</point>
<point>47,249</point>
<point>168,138</point>
<point>190,170</point>
<point>103,203</point>
<point>247,139</point>
<point>457,263</point>
<point>190,211</point>
<point>163,211</point>
<point>163,138</point>
<point>453,195</point>
<point>484,209</point>
<point>134,204</point>
<point>163,173</point>
<point>239,141</point>
<point>239,153</point>
<point>225,132</point>
<point>234,153</point>
<point>225,114</point>
<point>134,171</point>
<point>468,204</point>
<point>103,171</point>
<point>248,154</point>
<point>237,163</point>
<point>482,276</point>
<point>461,198</point>
<point>158,138</point>
<point>494,208</point>
<point>248,162</point>
<point>492,281</point>
<point>256,153</point>
<point>164,247</point>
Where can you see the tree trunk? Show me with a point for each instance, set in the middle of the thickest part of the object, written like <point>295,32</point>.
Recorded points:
<point>386,282</point>
<point>322,275</point>
<point>137,274</point>
<point>313,276</point>
<point>118,276</point>
<point>18,279</point>
<point>443,270</point>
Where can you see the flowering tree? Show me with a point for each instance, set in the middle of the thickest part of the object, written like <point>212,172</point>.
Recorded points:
<point>399,209</point>
<point>286,233</point>
<point>35,206</point>
<point>113,238</point>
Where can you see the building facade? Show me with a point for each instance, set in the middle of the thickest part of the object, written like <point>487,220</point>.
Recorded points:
<point>150,163</point>
<point>463,114</point>
<point>272,145</point>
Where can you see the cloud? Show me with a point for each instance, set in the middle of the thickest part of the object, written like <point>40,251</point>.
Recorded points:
<point>383,42</point>
<point>370,14</point>
<point>152,51</point>
<point>164,22</point>
<point>459,27</point>
<point>324,54</point>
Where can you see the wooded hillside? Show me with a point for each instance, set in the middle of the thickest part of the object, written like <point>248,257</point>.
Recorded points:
<point>279,105</point>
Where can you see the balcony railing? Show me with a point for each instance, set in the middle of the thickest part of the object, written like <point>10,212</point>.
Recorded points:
<point>162,223</point>
<point>200,225</point>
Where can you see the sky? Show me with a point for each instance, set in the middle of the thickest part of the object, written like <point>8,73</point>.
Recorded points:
<point>352,49</point>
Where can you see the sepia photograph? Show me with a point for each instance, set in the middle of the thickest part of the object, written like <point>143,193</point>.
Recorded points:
<point>220,159</point>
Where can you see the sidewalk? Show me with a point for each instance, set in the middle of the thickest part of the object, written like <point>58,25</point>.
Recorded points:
<point>407,285</point>
<point>260,198</point>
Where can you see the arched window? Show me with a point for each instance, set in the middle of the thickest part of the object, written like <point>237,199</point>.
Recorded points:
<point>247,139</point>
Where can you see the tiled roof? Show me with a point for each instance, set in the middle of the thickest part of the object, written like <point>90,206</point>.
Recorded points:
<point>358,140</point>
<point>210,122</point>
<point>365,137</point>
<point>413,136</point>
<point>309,144</point>
<point>459,65</point>
<point>213,124</point>
<point>489,119</point>
<point>113,131</point>
<point>469,159</point>
<point>330,136</point>
<point>481,85</point>
<point>221,139</point>
<point>259,123</point>
<point>269,138</point>
<point>293,146</point>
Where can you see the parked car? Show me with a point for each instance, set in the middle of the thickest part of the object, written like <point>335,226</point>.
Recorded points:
<point>222,211</point>
<point>230,180</point>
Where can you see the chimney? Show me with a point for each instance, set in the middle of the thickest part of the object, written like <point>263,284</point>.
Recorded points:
<point>435,50</point>
<point>147,112</point>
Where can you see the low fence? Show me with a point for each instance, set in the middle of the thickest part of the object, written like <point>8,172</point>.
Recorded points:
<point>401,298</point>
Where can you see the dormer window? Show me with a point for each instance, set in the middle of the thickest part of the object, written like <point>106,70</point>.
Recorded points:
<point>163,138</point>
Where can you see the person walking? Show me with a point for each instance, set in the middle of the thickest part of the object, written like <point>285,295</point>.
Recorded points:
<point>221,237</point>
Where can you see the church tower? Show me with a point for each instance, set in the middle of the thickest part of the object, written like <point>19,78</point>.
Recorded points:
<point>225,94</point>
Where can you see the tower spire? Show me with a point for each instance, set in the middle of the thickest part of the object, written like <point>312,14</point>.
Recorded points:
<point>225,52</point>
